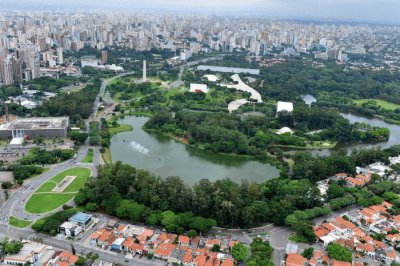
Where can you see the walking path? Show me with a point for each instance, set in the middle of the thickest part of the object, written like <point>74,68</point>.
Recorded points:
<point>241,86</point>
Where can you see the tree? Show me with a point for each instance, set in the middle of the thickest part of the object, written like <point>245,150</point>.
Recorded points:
<point>91,206</point>
<point>81,261</point>
<point>6,185</point>
<point>339,252</point>
<point>192,233</point>
<point>308,252</point>
<point>169,220</point>
<point>216,248</point>
<point>240,252</point>
<point>11,247</point>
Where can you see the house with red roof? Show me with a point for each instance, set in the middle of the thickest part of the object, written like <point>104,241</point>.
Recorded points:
<point>127,243</point>
<point>164,250</point>
<point>183,240</point>
<point>340,263</point>
<point>212,242</point>
<point>137,248</point>
<point>294,259</point>
<point>187,259</point>
<point>200,260</point>
<point>213,261</point>
<point>227,262</point>
<point>65,258</point>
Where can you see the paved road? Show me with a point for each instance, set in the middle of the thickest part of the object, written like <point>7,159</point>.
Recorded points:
<point>17,200</point>
<point>15,204</point>
<point>80,249</point>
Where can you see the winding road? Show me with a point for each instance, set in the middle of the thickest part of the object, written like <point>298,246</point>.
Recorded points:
<point>15,205</point>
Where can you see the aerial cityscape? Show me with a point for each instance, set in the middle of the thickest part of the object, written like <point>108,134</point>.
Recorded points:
<point>200,133</point>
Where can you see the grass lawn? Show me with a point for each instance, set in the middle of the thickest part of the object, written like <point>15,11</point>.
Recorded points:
<point>19,223</point>
<point>89,157</point>
<point>42,203</point>
<point>44,200</point>
<point>120,128</point>
<point>298,239</point>
<point>107,156</point>
<point>383,104</point>
<point>79,172</point>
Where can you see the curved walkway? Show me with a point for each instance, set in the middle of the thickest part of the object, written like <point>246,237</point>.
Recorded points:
<point>241,86</point>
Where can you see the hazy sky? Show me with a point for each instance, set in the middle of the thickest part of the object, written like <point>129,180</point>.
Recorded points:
<point>385,11</point>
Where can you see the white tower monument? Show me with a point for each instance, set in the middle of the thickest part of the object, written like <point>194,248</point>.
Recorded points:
<point>144,71</point>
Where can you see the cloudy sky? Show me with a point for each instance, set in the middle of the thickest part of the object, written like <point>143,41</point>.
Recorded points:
<point>383,11</point>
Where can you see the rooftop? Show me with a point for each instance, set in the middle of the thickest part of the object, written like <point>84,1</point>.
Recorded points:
<point>36,123</point>
<point>81,217</point>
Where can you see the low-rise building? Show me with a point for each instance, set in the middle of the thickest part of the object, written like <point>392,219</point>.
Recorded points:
<point>69,229</point>
<point>29,254</point>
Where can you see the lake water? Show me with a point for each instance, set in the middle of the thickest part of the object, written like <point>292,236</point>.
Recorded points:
<point>393,139</point>
<point>166,157</point>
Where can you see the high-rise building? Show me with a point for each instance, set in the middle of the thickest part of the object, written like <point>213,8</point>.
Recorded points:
<point>6,76</point>
<point>104,57</point>
<point>60,58</point>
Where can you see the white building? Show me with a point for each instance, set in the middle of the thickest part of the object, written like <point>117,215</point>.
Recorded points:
<point>185,55</point>
<point>70,229</point>
<point>198,88</point>
<point>30,253</point>
<point>90,61</point>
<point>211,78</point>
<point>284,130</point>
<point>284,106</point>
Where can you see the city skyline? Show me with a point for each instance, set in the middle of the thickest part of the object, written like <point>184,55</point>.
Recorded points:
<point>329,10</point>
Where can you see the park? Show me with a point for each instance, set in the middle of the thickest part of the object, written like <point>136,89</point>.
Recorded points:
<point>57,191</point>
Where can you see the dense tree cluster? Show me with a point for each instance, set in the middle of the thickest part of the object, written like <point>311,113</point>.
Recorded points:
<point>121,188</point>
<point>11,246</point>
<point>228,133</point>
<point>53,85</point>
<point>261,253</point>
<point>22,172</point>
<point>94,133</point>
<point>49,225</point>
<point>339,252</point>
<point>42,156</point>
<point>318,168</point>
<point>78,137</point>
<point>77,105</point>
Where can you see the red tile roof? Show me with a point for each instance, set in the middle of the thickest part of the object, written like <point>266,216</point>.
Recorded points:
<point>227,262</point>
<point>164,249</point>
<point>200,260</point>
<point>294,259</point>
<point>183,239</point>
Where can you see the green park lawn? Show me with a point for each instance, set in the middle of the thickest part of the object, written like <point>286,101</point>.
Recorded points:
<point>44,200</point>
<point>42,203</point>
<point>383,104</point>
<point>120,128</point>
<point>19,223</point>
<point>106,155</point>
<point>89,157</point>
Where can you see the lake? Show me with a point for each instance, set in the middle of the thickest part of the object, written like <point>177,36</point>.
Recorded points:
<point>166,157</point>
<point>393,139</point>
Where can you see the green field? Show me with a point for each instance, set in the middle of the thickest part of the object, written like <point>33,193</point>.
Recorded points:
<point>106,155</point>
<point>120,128</point>
<point>89,157</point>
<point>44,200</point>
<point>19,223</point>
<point>383,104</point>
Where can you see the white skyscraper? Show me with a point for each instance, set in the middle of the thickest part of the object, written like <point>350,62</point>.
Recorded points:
<point>60,58</point>
<point>144,71</point>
